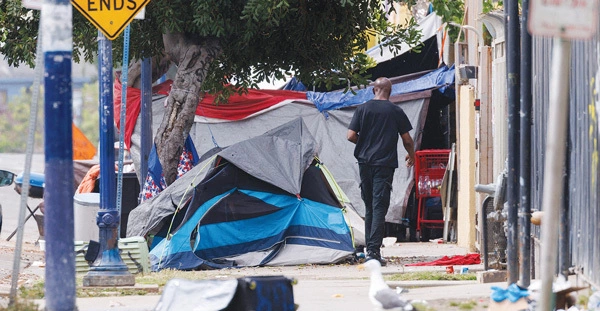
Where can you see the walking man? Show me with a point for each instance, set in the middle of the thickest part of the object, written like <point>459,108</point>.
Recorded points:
<point>374,129</point>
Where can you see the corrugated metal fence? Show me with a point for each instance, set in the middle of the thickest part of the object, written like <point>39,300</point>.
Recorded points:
<point>583,158</point>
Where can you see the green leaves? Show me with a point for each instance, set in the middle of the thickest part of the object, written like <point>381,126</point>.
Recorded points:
<point>18,33</point>
<point>450,11</point>
<point>319,41</point>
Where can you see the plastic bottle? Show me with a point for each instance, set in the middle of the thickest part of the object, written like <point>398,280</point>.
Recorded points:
<point>594,302</point>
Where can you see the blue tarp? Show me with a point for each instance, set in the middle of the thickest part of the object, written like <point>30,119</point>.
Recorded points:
<point>296,222</point>
<point>294,85</point>
<point>440,79</point>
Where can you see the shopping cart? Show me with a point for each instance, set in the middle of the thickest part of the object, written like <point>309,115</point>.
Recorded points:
<point>430,167</point>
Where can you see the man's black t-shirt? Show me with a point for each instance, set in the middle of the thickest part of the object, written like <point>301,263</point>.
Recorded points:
<point>378,124</point>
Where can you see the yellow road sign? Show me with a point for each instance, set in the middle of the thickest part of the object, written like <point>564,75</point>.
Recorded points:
<point>109,16</point>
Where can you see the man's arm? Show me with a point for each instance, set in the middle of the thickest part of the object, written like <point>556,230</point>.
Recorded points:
<point>352,136</point>
<point>409,145</point>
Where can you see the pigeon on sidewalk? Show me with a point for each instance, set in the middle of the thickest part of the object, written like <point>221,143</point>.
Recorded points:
<point>380,294</point>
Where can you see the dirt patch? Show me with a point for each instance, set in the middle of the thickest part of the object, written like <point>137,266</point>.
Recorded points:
<point>30,255</point>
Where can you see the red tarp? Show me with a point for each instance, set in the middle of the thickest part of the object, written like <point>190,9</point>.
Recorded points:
<point>134,99</point>
<point>469,259</point>
<point>237,108</point>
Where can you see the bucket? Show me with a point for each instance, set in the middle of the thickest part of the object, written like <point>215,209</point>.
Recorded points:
<point>86,207</point>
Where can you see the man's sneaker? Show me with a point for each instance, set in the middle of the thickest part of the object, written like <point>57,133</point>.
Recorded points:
<point>377,257</point>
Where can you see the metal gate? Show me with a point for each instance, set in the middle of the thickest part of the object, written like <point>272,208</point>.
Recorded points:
<point>583,178</point>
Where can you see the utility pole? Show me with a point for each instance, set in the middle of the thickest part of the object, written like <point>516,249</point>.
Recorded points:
<point>525,164</point>
<point>57,29</point>
<point>513,55</point>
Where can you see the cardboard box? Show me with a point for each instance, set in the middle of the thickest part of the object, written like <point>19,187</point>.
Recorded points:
<point>506,305</point>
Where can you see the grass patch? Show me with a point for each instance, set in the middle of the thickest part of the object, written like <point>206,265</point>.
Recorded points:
<point>21,305</point>
<point>430,276</point>
<point>583,299</point>
<point>468,305</point>
<point>162,277</point>
<point>36,291</point>
<point>420,306</point>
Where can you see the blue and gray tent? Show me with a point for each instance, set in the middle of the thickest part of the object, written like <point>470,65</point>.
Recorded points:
<point>264,201</point>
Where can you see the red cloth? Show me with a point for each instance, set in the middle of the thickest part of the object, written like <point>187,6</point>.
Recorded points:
<point>238,107</point>
<point>469,259</point>
<point>241,106</point>
<point>133,107</point>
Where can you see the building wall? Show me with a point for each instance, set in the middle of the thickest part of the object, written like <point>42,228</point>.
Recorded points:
<point>466,158</point>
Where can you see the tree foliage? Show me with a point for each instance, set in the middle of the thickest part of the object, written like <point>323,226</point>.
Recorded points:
<point>260,39</point>
<point>216,43</point>
<point>451,11</point>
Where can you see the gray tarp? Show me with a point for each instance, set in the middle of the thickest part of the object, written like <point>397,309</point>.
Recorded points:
<point>150,213</point>
<point>279,157</point>
<point>334,150</point>
<point>329,131</point>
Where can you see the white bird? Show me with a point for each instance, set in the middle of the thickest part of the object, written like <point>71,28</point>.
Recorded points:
<point>380,294</point>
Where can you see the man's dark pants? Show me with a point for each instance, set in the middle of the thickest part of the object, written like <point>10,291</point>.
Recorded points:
<point>376,186</point>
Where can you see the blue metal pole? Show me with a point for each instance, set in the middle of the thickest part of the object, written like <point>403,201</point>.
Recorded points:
<point>109,268</point>
<point>146,141</point>
<point>107,135</point>
<point>57,28</point>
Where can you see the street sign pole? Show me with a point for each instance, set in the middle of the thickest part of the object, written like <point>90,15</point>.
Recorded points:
<point>564,20</point>
<point>553,166</point>
<point>108,269</point>
<point>57,28</point>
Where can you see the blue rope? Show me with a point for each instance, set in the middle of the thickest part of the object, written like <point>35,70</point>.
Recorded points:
<point>122,121</point>
<point>209,129</point>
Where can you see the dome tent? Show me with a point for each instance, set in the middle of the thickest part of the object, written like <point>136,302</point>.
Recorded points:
<point>265,201</point>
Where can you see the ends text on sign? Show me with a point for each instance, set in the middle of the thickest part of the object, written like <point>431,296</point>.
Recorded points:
<point>108,5</point>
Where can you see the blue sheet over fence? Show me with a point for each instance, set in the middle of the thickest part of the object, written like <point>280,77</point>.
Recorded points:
<point>440,79</point>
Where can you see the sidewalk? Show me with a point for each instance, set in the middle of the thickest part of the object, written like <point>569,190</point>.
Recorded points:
<point>339,287</point>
